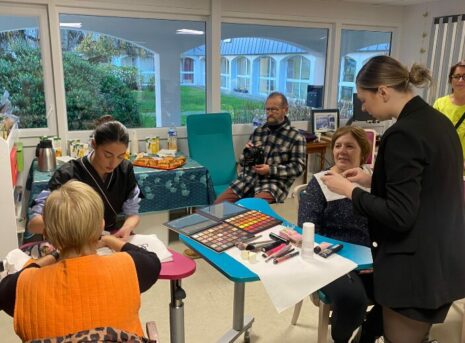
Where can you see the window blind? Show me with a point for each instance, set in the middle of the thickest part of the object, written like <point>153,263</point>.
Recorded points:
<point>446,48</point>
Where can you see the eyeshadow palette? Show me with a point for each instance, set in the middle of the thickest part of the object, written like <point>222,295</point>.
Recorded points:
<point>253,221</point>
<point>191,224</point>
<point>221,237</point>
<point>222,210</point>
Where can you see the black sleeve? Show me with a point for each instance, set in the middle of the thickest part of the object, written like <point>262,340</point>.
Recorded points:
<point>148,265</point>
<point>404,170</point>
<point>8,290</point>
<point>61,176</point>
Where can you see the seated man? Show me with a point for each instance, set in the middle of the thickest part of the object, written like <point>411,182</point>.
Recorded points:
<point>272,159</point>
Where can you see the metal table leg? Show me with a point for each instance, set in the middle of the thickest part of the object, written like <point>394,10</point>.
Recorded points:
<point>241,323</point>
<point>177,312</point>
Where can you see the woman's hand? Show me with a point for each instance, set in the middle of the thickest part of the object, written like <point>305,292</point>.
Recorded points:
<point>359,176</point>
<point>123,233</point>
<point>338,184</point>
<point>111,242</point>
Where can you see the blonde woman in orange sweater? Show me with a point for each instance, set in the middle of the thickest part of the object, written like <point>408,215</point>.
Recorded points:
<point>78,290</point>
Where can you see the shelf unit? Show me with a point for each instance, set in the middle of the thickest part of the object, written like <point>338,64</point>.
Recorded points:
<point>8,229</point>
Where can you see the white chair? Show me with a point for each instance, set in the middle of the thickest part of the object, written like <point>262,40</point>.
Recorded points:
<point>371,135</point>
<point>318,299</point>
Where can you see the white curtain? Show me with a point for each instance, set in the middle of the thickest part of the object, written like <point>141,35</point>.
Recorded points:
<point>446,48</point>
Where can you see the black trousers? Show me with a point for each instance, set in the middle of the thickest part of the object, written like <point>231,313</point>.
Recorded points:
<point>350,296</point>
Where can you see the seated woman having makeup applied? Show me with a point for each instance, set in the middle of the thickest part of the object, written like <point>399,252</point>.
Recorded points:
<point>77,290</point>
<point>333,217</point>
<point>107,172</point>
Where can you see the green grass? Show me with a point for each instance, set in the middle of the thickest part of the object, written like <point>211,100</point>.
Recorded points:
<point>193,101</point>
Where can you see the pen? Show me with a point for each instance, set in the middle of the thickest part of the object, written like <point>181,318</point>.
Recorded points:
<point>285,257</point>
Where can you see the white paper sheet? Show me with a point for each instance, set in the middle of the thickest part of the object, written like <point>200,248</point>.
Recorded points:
<point>291,281</point>
<point>154,244</point>
<point>329,195</point>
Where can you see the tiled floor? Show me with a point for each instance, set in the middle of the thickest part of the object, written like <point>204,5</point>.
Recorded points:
<point>208,309</point>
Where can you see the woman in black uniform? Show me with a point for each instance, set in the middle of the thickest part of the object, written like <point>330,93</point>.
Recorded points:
<point>107,172</point>
<point>416,208</point>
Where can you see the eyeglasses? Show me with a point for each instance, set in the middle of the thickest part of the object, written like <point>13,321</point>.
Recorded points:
<point>458,77</point>
<point>272,109</point>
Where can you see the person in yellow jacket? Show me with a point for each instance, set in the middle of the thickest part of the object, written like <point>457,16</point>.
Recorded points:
<point>453,105</point>
<point>77,289</point>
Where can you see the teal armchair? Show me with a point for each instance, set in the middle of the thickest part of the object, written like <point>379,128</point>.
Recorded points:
<point>210,143</point>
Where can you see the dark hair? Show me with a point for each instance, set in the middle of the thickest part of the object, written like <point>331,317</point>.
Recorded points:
<point>284,102</point>
<point>360,136</point>
<point>452,70</point>
<point>385,70</point>
<point>109,130</point>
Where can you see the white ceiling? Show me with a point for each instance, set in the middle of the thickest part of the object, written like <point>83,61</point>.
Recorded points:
<point>392,2</point>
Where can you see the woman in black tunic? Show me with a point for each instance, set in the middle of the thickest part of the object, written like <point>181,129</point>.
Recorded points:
<point>107,172</point>
<point>416,207</point>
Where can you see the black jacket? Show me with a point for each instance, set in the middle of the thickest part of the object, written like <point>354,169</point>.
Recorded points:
<point>416,211</point>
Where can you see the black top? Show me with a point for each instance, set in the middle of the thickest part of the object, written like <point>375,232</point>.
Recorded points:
<point>147,267</point>
<point>114,191</point>
<point>416,211</point>
<point>334,219</point>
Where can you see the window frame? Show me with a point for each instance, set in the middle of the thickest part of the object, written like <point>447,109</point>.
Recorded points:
<point>40,12</point>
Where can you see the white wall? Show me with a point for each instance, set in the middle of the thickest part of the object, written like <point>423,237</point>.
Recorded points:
<point>414,23</point>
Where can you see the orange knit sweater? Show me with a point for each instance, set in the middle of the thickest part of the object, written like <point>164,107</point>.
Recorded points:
<point>78,294</point>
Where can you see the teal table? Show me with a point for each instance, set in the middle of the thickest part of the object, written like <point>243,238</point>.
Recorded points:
<point>188,186</point>
<point>239,274</point>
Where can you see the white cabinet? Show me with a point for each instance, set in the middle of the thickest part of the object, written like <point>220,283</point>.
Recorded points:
<point>8,228</point>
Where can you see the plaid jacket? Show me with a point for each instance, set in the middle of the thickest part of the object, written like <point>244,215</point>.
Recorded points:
<point>285,151</point>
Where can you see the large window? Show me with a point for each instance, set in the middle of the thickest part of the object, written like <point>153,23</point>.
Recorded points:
<point>357,46</point>
<point>134,75</point>
<point>187,71</point>
<point>22,86</point>
<point>267,75</point>
<point>225,73</point>
<point>243,75</point>
<point>297,77</point>
<point>271,58</point>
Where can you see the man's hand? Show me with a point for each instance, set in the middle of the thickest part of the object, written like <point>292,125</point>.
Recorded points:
<point>249,145</point>
<point>359,176</point>
<point>262,169</point>
<point>338,184</point>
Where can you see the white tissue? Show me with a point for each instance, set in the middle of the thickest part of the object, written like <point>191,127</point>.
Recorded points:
<point>15,261</point>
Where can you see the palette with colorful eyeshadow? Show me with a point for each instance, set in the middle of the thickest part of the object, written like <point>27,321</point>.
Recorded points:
<point>221,237</point>
<point>253,221</point>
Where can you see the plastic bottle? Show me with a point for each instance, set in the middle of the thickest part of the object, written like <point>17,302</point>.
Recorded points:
<point>257,121</point>
<point>308,238</point>
<point>134,143</point>
<point>172,138</point>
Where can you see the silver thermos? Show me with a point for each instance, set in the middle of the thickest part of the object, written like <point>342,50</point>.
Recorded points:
<point>46,156</point>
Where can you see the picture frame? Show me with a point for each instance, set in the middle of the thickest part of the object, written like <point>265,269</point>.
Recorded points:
<point>326,120</point>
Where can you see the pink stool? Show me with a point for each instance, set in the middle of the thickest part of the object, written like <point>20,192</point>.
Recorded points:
<point>180,268</point>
